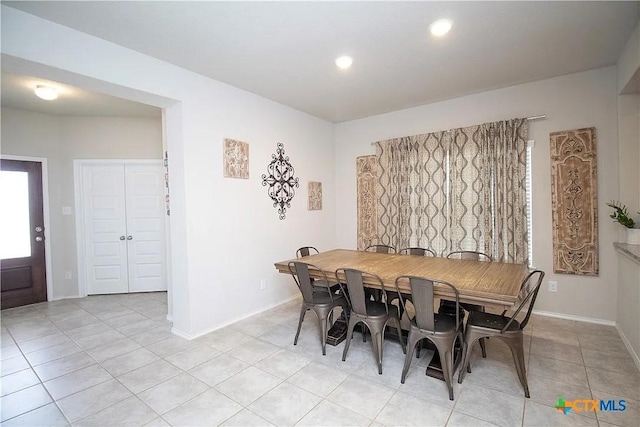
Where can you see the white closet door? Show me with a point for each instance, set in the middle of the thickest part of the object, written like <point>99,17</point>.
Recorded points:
<point>105,246</point>
<point>145,227</point>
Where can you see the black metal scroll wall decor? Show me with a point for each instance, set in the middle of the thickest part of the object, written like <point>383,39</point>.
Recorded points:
<point>281,181</point>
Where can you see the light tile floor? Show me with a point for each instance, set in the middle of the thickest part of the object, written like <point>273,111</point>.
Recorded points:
<point>112,360</point>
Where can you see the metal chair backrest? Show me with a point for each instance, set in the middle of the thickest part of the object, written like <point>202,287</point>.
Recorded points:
<point>381,249</point>
<point>472,255</point>
<point>422,298</point>
<point>528,294</point>
<point>417,251</point>
<point>300,272</point>
<point>355,285</point>
<point>306,251</point>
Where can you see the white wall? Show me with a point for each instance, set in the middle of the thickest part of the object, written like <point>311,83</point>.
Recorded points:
<point>225,234</point>
<point>628,304</point>
<point>61,139</point>
<point>574,101</point>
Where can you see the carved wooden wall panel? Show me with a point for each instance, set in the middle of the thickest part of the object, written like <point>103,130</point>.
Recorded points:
<point>574,200</point>
<point>367,177</point>
<point>236,159</point>
<point>315,196</point>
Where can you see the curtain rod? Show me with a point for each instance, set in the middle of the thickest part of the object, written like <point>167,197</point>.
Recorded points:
<point>538,117</point>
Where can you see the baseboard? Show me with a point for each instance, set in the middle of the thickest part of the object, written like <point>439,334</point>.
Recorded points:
<point>184,335</point>
<point>627,344</point>
<point>576,318</point>
<point>66,297</point>
<point>181,334</point>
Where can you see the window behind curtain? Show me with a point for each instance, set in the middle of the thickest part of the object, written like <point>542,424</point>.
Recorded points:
<point>463,189</point>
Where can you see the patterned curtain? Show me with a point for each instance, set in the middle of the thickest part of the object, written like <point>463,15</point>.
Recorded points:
<point>412,207</point>
<point>463,189</point>
<point>488,189</point>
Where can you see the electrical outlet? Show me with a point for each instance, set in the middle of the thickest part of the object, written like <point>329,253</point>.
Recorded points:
<point>553,286</point>
<point>67,275</point>
<point>263,284</point>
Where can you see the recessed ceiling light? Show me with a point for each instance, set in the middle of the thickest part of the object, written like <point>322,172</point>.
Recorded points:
<point>47,93</point>
<point>344,62</point>
<point>440,27</point>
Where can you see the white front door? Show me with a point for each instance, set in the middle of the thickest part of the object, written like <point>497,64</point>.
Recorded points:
<point>124,228</point>
<point>145,227</point>
<point>105,229</point>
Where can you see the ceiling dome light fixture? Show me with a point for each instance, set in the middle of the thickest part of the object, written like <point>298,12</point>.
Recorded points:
<point>47,93</point>
<point>344,62</point>
<point>440,27</point>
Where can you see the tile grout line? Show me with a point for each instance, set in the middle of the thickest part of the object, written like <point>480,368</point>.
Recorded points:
<point>41,383</point>
<point>76,370</point>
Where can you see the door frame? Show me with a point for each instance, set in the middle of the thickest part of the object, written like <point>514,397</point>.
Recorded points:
<point>78,164</point>
<point>48,266</point>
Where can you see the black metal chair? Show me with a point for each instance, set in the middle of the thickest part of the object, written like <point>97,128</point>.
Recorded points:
<point>441,329</point>
<point>373,314</point>
<point>310,250</point>
<point>447,306</point>
<point>417,251</point>
<point>306,251</point>
<point>317,297</point>
<point>471,255</point>
<point>506,328</point>
<point>381,249</point>
<point>409,251</point>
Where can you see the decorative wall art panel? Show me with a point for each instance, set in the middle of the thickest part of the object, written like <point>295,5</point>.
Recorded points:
<point>281,181</point>
<point>236,159</point>
<point>574,202</point>
<point>367,177</point>
<point>315,196</point>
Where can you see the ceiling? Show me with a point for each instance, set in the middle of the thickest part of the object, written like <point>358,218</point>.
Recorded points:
<point>285,51</point>
<point>17,92</point>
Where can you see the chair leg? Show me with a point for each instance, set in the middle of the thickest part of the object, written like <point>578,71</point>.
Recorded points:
<point>404,348</point>
<point>352,324</point>
<point>302,313</point>
<point>446,360</point>
<point>378,345</point>
<point>516,346</point>
<point>412,340</point>
<point>483,347</point>
<point>469,341</point>
<point>323,334</point>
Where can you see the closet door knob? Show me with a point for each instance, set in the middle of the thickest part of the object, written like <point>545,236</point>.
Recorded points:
<point>121,237</point>
<point>129,237</point>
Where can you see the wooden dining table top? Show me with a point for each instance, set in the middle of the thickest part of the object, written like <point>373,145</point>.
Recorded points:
<point>478,282</point>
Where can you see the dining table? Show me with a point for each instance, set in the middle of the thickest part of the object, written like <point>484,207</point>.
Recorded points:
<point>493,284</point>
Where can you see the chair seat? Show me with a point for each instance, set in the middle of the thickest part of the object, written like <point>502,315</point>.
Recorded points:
<point>378,309</point>
<point>323,284</point>
<point>491,321</point>
<point>322,297</point>
<point>444,323</point>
